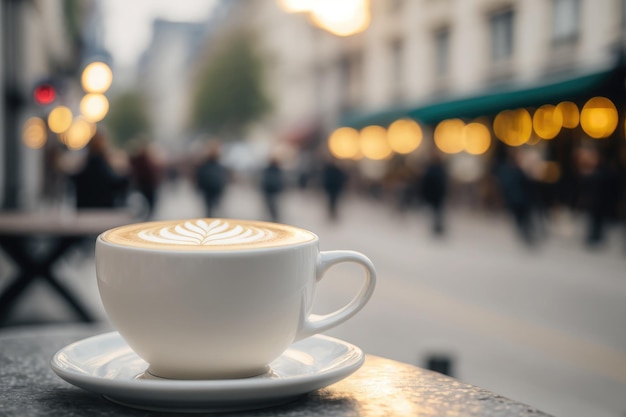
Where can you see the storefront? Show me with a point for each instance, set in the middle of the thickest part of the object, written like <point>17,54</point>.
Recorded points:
<point>555,121</point>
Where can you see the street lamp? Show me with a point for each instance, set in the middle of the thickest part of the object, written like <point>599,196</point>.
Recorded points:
<point>78,134</point>
<point>97,77</point>
<point>94,107</point>
<point>35,133</point>
<point>60,119</point>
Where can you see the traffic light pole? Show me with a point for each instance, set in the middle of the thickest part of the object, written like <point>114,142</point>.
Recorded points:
<point>13,100</point>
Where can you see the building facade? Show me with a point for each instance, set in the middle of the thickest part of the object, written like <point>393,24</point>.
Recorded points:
<point>422,51</point>
<point>164,79</point>
<point>40,41</point>
<point>439,60</point>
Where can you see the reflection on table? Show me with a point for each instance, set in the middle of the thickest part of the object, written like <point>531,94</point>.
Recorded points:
<point>382,387</point>
<point>60,231</point>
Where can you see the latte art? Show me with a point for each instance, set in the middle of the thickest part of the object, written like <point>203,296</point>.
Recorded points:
<point>199,232</point>
<point>207,234</point>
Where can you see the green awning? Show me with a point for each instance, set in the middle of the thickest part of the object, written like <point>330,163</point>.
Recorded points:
<point>381,118</point>
<point>495,100</point>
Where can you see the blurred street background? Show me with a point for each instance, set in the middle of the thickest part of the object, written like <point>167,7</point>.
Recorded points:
<point>475,150</point>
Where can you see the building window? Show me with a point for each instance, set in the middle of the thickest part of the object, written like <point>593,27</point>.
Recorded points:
<point>565,21</point>
<point>351,78</point>
<point>501,25</point>
<point>397,68</point>
<point>442,52</point>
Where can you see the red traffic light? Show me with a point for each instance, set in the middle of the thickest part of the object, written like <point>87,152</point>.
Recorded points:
<point>44,94</point>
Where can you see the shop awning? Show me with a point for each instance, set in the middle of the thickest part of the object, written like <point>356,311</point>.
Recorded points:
<point>495,100</point>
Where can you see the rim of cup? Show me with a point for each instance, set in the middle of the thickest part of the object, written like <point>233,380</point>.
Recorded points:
<point>208,249</point>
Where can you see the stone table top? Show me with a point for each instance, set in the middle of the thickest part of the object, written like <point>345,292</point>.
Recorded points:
<point>382,387</point>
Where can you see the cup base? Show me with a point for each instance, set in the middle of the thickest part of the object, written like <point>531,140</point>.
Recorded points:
<point>156,373</point>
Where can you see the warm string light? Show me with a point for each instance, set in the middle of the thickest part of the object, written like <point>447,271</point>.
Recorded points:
<point>598,119</point>
<point>375,142</point>
<point>404,136</point>
<point>343,143</point>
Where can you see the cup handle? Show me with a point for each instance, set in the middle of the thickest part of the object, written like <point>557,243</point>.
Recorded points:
<point>316,323</point>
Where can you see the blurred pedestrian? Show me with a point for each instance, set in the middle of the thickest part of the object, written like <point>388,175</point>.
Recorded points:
<point>103,180</point>
<point>272,184</point>
<point>516,190</point>
<point>601,193</point>
<point>145,173</point>
<point>334,180</point>
<point>212,178</point>
<point>433,188</point>
<point>398,182</point>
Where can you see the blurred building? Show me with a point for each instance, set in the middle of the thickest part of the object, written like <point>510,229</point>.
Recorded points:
<point>164,78</point>
<point>41,42</point>
<point>434,61</point>
<point>421,51</point>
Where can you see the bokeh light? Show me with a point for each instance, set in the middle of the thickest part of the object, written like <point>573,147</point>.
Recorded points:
<point>60,119</point>
<point>97,77</point>
<point>513,127</point>
<point>341,17</point>
<point>35,133</point>
<point>404,136</point>
<point>79,134</point>
<point>44,94</point>
<point>94,107</point>
<point>570,113</point>
<point>449,136</point>
<point>343,143</point>
<point>599,117</point>
<point>547,121</point>
<point>374,144</point>
<point>476,138</point>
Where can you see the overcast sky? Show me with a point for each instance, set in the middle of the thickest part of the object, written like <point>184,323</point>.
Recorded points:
<point>128,23</point>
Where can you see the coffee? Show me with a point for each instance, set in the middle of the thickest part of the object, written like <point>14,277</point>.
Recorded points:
<point>207,234</point>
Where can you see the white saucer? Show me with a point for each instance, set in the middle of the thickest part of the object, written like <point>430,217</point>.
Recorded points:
<point>106,365</point>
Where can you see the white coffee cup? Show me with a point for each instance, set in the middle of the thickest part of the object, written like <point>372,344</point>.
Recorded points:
<point>216,298</point>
